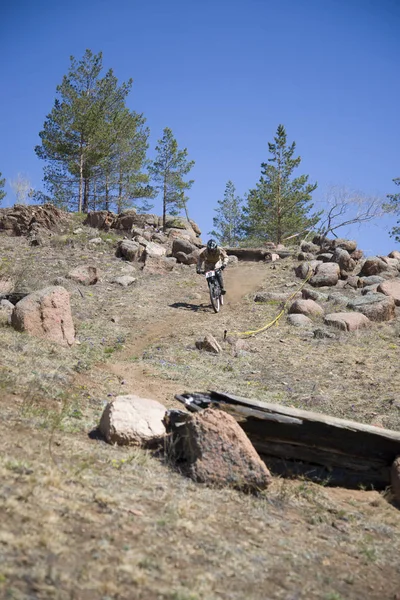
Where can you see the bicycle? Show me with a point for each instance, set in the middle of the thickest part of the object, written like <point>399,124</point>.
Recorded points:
<point>217,299</point>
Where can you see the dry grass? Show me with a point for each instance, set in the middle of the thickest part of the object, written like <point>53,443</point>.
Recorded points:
<point>83,520</point>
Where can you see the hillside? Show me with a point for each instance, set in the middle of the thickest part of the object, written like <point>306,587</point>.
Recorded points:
<point>83,519</point>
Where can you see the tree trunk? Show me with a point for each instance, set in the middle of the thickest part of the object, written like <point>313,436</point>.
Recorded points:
<point>107,205</point>
<point>85,207</point>
<point>120,191</point>
<point>80,201</point>
<point>164,204</point>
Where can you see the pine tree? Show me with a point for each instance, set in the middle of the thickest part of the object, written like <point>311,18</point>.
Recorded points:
<point>280,205</point>
<point>394,206</point>
<point>2,192</point>
<point>228,222</point>
<point>168,170</point>
<point>88,136</point>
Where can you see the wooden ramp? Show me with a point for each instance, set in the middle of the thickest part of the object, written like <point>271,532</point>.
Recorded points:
<point>295,442</point>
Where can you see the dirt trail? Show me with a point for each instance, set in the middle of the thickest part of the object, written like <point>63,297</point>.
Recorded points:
<point>137,378</point>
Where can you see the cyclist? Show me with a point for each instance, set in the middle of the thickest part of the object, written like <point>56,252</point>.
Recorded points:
<point>214,258</point>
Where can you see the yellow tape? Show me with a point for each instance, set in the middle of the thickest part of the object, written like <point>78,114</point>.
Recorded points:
<point>276,320</point>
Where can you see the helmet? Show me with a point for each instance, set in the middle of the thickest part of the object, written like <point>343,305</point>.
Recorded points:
<point>211,245</point>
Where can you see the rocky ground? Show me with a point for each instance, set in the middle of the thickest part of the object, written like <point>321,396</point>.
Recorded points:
<point>85,519</point>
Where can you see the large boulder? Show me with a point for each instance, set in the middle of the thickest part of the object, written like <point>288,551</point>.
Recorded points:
<point>311,294</point>
<point>309,247</point>
<point>305,268</point>
<point>326,274</point>
<point>377,307</point>
<point>128,250</point>
<point>348,245</point>
<point>182,245</point>
<point>343,259</point>
<point>46,314</point>
<point>391,288</point>
<point>100,219</point>
<point>299,320</point>
<point>84,274</point>
<point>210,447</point>
<point>373,266</point>
<point>132,420</point>
<point>394,254</point>
<point>347,321</point>
<point>188,259</point>
<point>158,265</point>
<point>153,250</point>
<point>306,307</point>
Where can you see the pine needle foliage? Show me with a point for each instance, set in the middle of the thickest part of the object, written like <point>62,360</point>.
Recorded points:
<point>280,204</point>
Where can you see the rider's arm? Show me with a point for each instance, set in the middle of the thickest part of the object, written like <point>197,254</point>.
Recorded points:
<point>224,257</point>
<point>200,260</point>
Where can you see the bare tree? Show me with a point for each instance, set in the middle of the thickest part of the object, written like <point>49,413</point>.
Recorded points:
<point>345,207</point>
<point>21,187</point>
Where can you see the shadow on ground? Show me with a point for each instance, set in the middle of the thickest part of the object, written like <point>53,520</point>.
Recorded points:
<point>193,307</point>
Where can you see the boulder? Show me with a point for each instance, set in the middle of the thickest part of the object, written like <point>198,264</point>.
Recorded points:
<point>309,247</point>
<point>347,321</point>
<point>310,294</point>
<point>371,280</point>
<point>158,265</point>
<point>343,259</point>
<point>305,256</point>
<point>188,259</point>
<point>373,266</point>
<point>129,250</point>
<point>153,250</point>
<point>84,274</point>
<point>377,307</point>
<point>394,254</point>
<point>326,274</point>
<point>160,238</point>
<point>357,255</point>
<point>210,447</point>
<point>124,280</point>
<point>395,478</point>
<point>132,420</point>
<point>209,344</point>
<point>195,227</point>
<point>368,289</point>
<point>348,245</point>
<point>391,288</point>
<point>303,269</point>
<point>353,281</point>
<point>46,314</point>
<point>325,256</point>
<point>299,320</point>
<point>182,245</point>
<point>393,263</point>
<point>338,298</point>
<point>100,219</point>
<point>306,307</point>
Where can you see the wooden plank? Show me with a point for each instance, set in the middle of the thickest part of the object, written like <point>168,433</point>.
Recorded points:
<point>347,450</point>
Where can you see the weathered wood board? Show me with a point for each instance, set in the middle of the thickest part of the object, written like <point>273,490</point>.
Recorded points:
<point>321,447</point>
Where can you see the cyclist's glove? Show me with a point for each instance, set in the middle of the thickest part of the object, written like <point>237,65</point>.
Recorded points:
<point>198,271</point>
<point>223,267</point>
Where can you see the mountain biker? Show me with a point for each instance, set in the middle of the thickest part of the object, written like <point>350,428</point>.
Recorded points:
<point>214,258</point>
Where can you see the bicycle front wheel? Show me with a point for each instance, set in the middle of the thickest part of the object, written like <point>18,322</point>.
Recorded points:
<point>214,297</point>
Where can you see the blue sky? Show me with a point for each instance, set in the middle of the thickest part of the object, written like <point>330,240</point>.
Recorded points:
<point>222,75</point>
